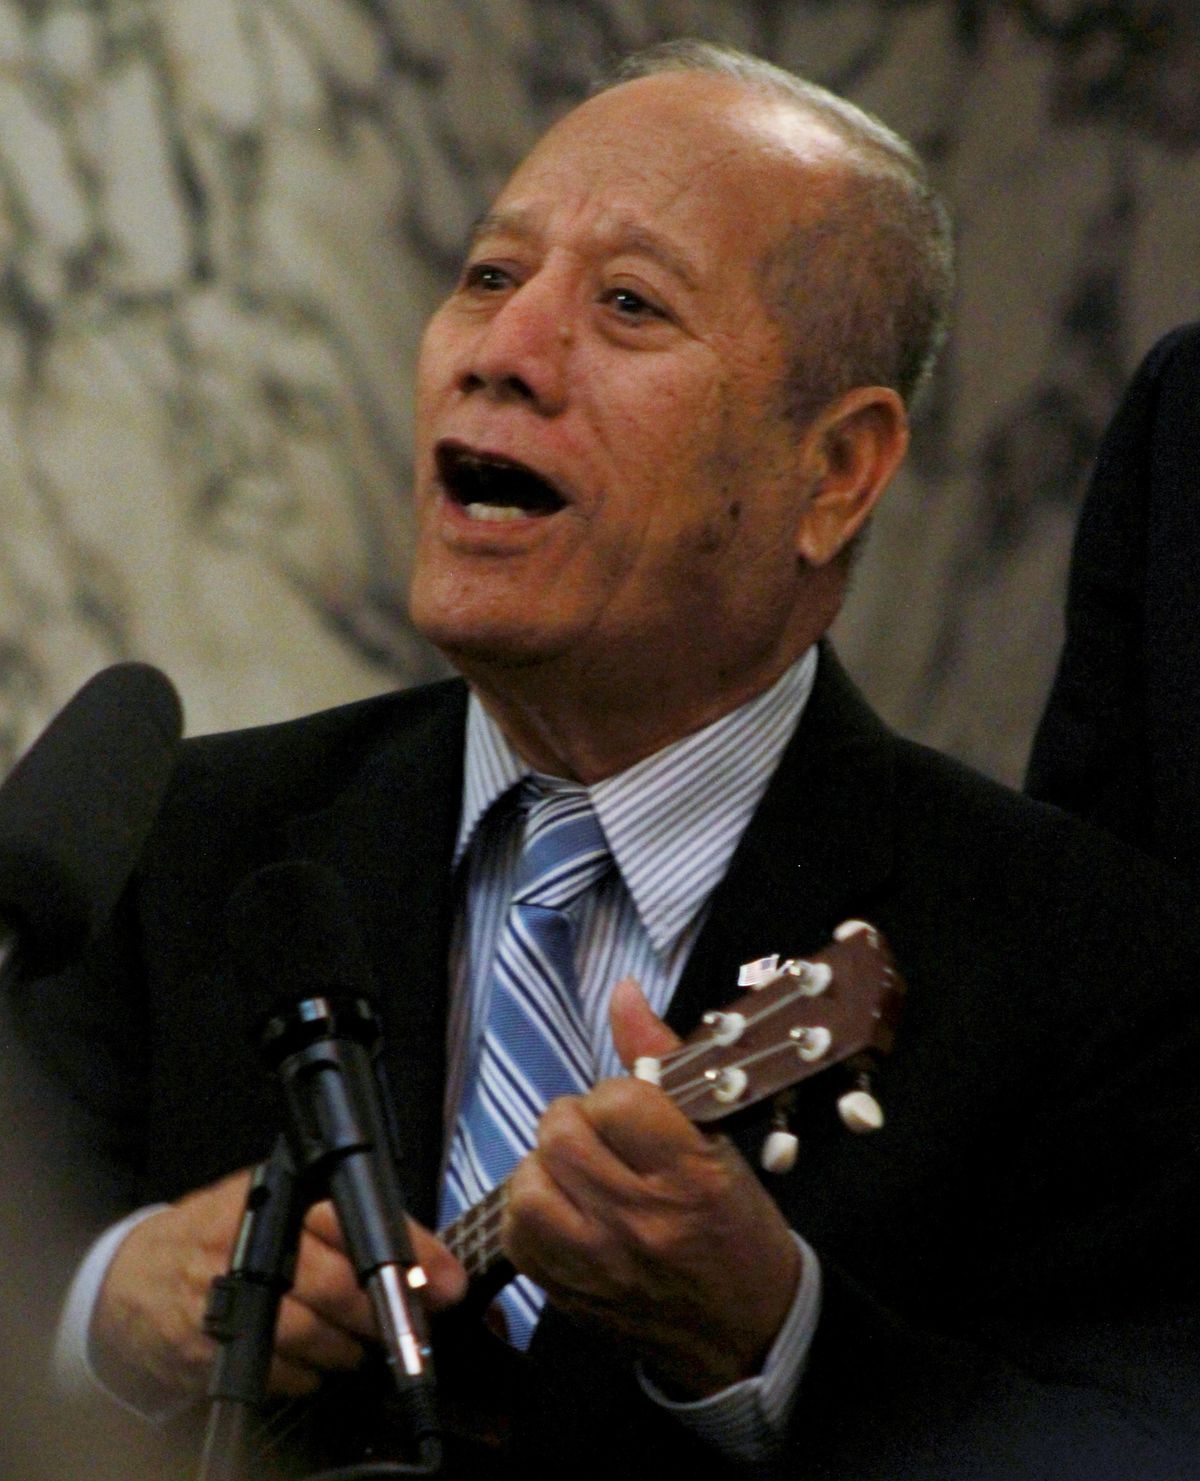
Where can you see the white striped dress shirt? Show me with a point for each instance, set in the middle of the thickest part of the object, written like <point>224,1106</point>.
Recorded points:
<point>672,822</point>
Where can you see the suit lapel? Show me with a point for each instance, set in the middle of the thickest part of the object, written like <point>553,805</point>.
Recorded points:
<point>389,834</point>
<point>817,850</point>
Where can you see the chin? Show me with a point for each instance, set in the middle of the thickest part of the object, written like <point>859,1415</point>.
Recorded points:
<point>474,647</point>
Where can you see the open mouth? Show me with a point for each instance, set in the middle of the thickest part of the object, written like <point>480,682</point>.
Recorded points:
<point>493,488</point>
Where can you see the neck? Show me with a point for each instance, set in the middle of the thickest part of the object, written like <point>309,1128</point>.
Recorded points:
<point>590,717</point>
<point>599,733</point>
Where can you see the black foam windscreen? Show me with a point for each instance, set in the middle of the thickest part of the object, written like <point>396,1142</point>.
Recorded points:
<point>76,809</point>
<point>292,935</point>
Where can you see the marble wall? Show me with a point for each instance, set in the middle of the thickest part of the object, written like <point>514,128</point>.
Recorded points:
<point>222,223</point>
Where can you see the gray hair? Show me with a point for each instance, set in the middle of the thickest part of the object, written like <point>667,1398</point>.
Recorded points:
<point>863,289</point>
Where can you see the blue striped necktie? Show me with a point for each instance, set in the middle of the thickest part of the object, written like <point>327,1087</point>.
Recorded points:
<point>534,1046</point>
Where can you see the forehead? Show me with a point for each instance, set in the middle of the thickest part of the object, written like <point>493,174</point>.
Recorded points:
<point>693,170</point>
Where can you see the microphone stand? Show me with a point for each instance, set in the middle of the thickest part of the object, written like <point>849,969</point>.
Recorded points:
<point>327,1045</point>
<point>292,923</point>
<point>243,1306</point>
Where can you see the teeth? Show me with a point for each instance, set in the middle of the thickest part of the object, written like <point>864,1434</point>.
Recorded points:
<point>495,513</point>
<point>495,489</point>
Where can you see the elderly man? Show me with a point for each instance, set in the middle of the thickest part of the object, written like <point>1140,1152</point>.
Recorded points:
<point>655,413</point>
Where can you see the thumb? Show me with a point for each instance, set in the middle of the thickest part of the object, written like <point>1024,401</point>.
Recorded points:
<point>636,1028</point>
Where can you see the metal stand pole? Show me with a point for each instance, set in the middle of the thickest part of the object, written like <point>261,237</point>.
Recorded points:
<point>243,1306</point>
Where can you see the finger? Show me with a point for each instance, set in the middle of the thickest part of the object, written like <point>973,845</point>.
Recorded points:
<point>326,1285</point>
<point>446,1278</point>
<point>444,1272</point>
<point>322,1222</point>
<point>575,1188</point>
<point>637,1030</point>
<point>305,1339</point>
<point>579,1161</point>
<point>546,1235</point>
<point>643,1128</point>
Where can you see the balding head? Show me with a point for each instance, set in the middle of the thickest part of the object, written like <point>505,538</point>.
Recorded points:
<point>862,281</point>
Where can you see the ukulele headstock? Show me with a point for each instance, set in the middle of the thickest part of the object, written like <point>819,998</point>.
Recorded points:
<point>799,1018</point>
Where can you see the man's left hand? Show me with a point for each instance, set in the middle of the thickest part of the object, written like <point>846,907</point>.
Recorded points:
<point>636,1221</point>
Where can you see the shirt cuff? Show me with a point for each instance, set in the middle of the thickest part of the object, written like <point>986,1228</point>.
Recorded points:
<point>747,1422</point>
<point>76,1374</point>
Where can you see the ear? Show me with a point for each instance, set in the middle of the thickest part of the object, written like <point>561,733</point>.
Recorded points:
<point>855,444</point>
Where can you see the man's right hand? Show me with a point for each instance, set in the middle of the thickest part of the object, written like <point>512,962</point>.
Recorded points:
<point>148,1320</point>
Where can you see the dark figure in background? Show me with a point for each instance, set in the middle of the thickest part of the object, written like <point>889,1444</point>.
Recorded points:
<point>654,415</point>
<point>1118,741</point>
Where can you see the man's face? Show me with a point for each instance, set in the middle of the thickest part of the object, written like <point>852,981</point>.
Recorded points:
<point>607,481</point>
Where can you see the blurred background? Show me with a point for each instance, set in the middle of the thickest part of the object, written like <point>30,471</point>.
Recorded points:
<point>223,222</point>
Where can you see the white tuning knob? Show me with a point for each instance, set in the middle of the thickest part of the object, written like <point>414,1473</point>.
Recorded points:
<point>812,978</point>
<point>727,1028</point>
<point>860,1111</point>
<point>850,928</point>
<point>728,1084</point>
<point>779,1152</point>
<point>811,1043</point>
<point>647,1068</point>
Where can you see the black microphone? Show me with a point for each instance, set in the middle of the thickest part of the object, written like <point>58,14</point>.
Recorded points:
<point>75,811</point>
<point>303,968</point>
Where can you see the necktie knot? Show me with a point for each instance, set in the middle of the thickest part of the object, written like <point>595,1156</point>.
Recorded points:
<point>564,853</point>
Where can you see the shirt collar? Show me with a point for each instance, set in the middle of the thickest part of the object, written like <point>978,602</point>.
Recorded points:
<point>674,818</point>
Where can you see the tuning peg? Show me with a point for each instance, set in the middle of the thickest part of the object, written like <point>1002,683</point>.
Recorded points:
<point>781,1147</point>
<point>811,1043</point>
<point>850,928</point>
<point>727,1028</point>
<point>860,1111</point>
<point>779,1151</point>
<point>647,1068</point>
<point>812,978</point>
<point>728,1084</point>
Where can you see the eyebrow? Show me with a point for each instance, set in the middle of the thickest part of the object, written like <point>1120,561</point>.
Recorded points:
<point>624,235</point>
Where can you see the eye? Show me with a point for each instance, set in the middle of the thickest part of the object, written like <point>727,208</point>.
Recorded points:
<point>486,277</point>
<point>630,304</point>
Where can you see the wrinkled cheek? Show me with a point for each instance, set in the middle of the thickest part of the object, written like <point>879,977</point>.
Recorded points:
<point>720,527</point>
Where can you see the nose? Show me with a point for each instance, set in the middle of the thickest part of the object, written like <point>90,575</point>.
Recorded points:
<point>522,352</point>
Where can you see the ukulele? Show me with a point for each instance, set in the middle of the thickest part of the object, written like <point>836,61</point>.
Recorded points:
<point>799,1018</point>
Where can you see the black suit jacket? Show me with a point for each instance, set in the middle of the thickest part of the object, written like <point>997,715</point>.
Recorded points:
<point>1006,1274</point>
<point>1118,741</point>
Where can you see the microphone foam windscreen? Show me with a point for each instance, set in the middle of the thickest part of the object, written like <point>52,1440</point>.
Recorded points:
<point>76,809</point>
<point>292,935</point>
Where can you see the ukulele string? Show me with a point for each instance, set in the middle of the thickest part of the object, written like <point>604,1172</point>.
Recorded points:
<point>692,1090</point>
<point>687,1091</point>
<point>476,1241</point>
<point>474,1236</point>
<point>682,1057</point>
